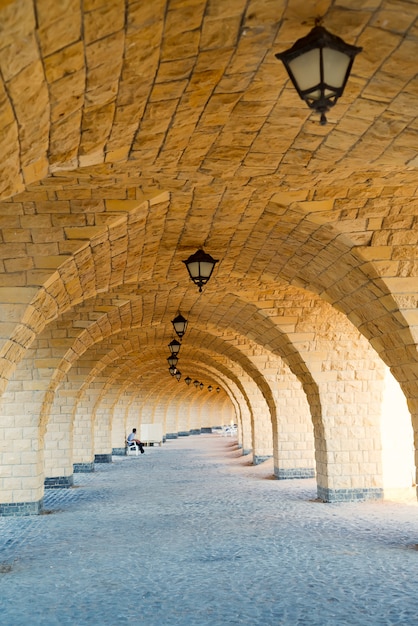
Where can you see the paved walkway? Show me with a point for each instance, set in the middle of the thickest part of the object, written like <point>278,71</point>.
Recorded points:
<point>191,534</point>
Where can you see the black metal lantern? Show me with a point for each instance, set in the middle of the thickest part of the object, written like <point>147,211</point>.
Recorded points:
<point>218,389</point>
<point>200,267</point>
<point>187,380</point>
<point>210,387</point>
<point>174,346</point>
<point>319,65</point>
<point>177,375</point>
<point>172,360</point>
<point>196,383</point>
<point>180,325</point>
<point>201,386</point>
<point>172,370</point>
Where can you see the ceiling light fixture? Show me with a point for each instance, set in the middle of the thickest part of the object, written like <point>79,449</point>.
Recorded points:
<point>174,346</point>
<point>172,360</point>
<point>200,267</point>
<point>319,65</point>
<point>180,325</point>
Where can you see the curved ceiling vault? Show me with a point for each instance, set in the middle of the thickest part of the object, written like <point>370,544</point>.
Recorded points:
<point>134,133</point>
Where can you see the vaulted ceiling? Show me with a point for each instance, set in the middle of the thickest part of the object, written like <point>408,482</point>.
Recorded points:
<point>134,133</point>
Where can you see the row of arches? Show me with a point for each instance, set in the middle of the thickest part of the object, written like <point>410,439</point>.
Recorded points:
<point>316,412</point>
<point>304,385</point>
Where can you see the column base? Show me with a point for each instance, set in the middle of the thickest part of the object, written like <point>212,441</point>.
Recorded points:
<point>171,436</point>
<point>195,431</point>
<point>118,451</point>
<point>20,509</point>
<point>258,459</point>
<point>79,468</point>
<point>184,433</point>
<point>297,472</point>
<point>59,482</point>
<point>206,430</point>
<point>349,495</point>
<point>246,451</point>
<point>102,458</point>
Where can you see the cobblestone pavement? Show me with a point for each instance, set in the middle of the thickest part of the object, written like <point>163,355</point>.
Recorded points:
<point>179,536</point>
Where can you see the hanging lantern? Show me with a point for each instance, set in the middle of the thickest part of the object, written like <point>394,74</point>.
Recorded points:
<point>174,346</point>
<point>210,387</point>
<point>172,360</point>
<point>319,65</point>
<point>218,389</point>
<point>200,267</point>
<point>172,370</point>
<point>177,375</point>
<point>187,380</point>
<point>196,383</point>
<point>180,325</point>
<point>201,386</point>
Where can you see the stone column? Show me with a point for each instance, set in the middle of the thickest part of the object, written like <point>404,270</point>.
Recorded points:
<point>102,421</point>
<point>21,454</point>
<point>294,454</point>
<point>59,448</point>
<point>83,440</point>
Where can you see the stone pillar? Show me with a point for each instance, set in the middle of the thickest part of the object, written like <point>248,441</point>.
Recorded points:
<point>59,451</point>
<point>294,454</point>
<point>102,423</point>
<point>262,426</point>
<point>57,412</point>
<point>171,422</point>
<point>247,429</point>
<point>119,428</point>
<point>349,456</point>
<point>83,440</point>
<point>21,454</point>
<point>226,411</point>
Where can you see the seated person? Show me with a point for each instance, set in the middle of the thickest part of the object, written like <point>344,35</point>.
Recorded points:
<point>132,439</point>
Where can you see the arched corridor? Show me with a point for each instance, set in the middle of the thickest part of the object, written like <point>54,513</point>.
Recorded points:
<point>135,133</point>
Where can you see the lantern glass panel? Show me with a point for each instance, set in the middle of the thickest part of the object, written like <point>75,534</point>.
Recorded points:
<point>305,70</point>
<point>335,68</point>
<point>194,267</point>
<point>206,269</point>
